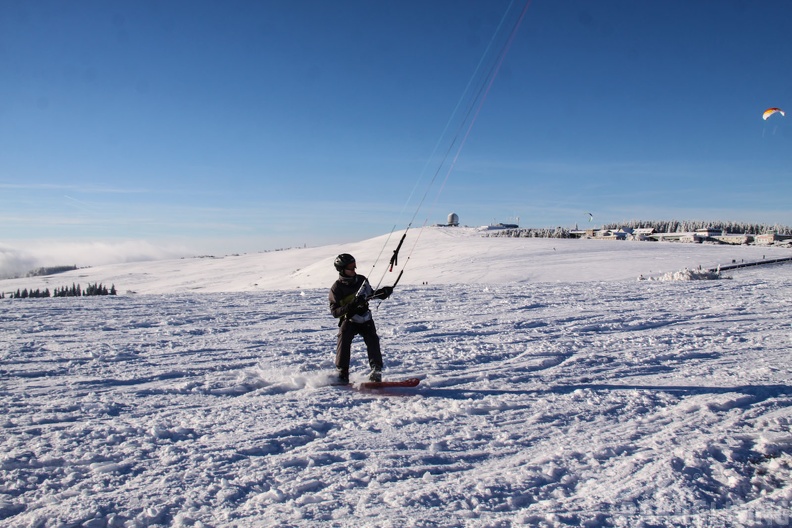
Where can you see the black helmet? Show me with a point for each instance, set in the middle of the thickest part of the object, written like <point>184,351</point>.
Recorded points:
<point>342,261</point>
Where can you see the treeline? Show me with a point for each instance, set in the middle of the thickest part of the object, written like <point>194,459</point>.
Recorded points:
<point>52,270</point>
<point>65,291</point>
<point>660,226</point>
<point>688,226</point>
<point>530,232</point>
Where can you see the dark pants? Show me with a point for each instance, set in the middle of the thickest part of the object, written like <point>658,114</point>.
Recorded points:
<point>346,332</point>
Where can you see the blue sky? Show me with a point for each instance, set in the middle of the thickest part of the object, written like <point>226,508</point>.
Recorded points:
<point>220,127</point>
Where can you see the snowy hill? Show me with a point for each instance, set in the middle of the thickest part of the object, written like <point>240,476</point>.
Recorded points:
<point>436,256</point>
<point>556,390</point>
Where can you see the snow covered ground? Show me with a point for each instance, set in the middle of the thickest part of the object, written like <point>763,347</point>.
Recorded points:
<point>557,390</point>
<point>433,255</point>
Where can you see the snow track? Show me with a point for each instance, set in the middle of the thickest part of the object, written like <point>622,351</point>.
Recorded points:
<point>582,404</point>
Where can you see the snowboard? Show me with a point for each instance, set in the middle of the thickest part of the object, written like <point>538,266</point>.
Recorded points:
<point>410,382</point>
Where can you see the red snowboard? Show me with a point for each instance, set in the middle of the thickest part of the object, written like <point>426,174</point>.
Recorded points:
<point>411,382</point>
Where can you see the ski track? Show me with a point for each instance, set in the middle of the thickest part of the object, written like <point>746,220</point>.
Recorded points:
<point>586,404</point>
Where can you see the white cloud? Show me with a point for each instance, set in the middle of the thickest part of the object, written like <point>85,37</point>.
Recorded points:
<point>16,261</point>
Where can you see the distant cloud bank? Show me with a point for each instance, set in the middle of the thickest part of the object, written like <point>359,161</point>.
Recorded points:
<point>17,261</point>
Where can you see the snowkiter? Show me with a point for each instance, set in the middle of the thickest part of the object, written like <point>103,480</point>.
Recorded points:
<point>349,297</point>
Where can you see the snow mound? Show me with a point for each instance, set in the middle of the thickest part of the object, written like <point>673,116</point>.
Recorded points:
<point>688,275</point>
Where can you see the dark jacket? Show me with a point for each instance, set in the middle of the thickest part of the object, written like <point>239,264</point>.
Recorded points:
<point>342,295</point>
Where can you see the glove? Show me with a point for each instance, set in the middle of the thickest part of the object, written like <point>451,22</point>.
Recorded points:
<point>384,292</point>
<point>358,307</point>
<point>361,307</point>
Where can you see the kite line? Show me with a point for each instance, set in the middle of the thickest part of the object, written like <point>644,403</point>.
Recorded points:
<point>460,136</point>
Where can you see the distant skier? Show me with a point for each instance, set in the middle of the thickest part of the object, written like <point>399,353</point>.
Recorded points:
<point>349,297</point>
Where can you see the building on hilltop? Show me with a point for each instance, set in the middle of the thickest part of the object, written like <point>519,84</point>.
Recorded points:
<point>453,221</point>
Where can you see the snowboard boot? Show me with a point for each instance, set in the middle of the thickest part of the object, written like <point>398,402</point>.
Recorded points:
<point>343,376</point>
<point>375,375</point>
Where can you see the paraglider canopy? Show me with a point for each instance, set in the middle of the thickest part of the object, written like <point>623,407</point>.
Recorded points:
<point>771,111</point>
